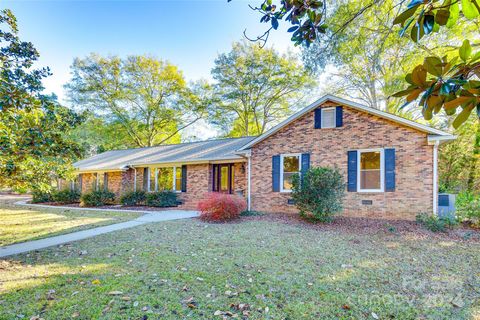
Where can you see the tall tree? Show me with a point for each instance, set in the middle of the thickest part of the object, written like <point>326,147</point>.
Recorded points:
<point>34,148</point>
<point>449,82</point>
<point>149,98</point>
<point>256,86</point>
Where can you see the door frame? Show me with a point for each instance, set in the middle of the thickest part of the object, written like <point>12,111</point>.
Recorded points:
<point>217,176</point>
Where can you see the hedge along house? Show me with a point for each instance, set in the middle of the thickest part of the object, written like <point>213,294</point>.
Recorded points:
<point>389,163</point>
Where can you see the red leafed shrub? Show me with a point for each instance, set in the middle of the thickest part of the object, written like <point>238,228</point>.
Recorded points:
<point>221,207</point>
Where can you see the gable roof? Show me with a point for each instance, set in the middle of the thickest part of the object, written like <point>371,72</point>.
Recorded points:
<point>354,105</point>
<point>200,151</point>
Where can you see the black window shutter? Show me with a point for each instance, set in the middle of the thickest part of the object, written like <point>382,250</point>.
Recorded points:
<point>145,179</point>
<point>339,116</point>
<point>80,183</point>
<point>305,164</point>
<point>105,181</point>
<point>276,173</point>
<point>318,118</point>
<point>184,178</point>
<point>389,170</point>
<point>352,171</point>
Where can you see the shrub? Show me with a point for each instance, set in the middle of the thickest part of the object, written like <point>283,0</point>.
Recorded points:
<point>133,198</point>
<point>97,198</point>
<point>251,213</point>
<point>66,196</point>
<point>162,199</point>
<point>470,212</point>
<point>221,207</point>
<point>434,223</point>
<point>40,196</point>
<point>320,193</point>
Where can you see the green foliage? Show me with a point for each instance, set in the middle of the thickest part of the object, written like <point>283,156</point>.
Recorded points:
<point>41,196</point>
<point>97,198</point>
<point>468,208</point>
<point>147,100</point>
<point>133,198</point>
<point>319,193</point>
<point>34,148</point>
<point>162,199</point>
<point>434,223</point>
<point>255,87</point>
<point>66,196</point>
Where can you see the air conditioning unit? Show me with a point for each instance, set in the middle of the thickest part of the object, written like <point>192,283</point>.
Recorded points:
<point>446,205</point>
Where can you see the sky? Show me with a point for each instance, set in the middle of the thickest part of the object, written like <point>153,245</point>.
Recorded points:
<point>189,34</point>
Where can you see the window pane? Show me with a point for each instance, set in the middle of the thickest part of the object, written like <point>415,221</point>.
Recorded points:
<point>370,160</point>
<point>328,118</point>
<point>291,164</point>
<point>165,179</point>
<point>287,180</point>
<point>370,179</point>
<point>224,178</point>
<point>100,180</point>
<point>178,179</point>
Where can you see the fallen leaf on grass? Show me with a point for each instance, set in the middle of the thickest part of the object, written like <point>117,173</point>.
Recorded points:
<point>96,281</point>
<point>115,293</point>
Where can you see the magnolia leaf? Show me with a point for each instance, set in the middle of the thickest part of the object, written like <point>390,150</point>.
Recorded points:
<point>475,57</point>
<point>442,17</point>
<point>469,10</point>
<point>465,50</point>
<point>402,93</point>
<point>456,102</point>
<point>454,14</point>
<point>478,110</point>
<point>414,94</point>
<point>435,102</point>
<point>419,76</point>
<point>434,66</point>
<point>428,23</point>
<point>401,18</point>
<point>462,116</point>
<point>415,3</point>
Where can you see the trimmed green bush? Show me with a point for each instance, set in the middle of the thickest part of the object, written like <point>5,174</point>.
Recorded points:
<point>319,194</point>
<point>66,196</point>
<point>161,199</point>
<point>133,198</point>
<point>39,197</point>
<point>97,198</point>
<point>434,223</point>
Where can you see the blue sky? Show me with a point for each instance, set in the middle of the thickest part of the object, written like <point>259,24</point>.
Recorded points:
<point>189,34</point>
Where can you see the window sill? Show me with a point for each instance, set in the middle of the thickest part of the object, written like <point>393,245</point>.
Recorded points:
<point>371,191</point>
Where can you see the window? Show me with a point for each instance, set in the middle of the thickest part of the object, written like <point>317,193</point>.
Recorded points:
<point>289,165</point>
<point>166,178</point>
<point>223,177</point>
<point>177,171</point>
<point>100,185</point>
<point>370,170</point>
<point>328,118</point>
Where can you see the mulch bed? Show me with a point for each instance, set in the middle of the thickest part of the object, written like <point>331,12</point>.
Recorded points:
<point>373,226</point>
<point>114,207</point>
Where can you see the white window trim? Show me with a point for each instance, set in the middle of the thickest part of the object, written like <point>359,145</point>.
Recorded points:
<point>299,155</point>
<point>382,170</point>
<point>175,179</point>
<point>334,118</point>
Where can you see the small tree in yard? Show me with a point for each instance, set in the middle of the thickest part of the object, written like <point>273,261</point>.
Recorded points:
<point>319,193</point>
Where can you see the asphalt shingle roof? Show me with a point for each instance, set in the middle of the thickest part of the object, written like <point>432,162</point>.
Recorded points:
<point>210,150</point>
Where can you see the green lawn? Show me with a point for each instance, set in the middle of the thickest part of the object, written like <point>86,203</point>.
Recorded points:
<point>18,224</point>
<point>255,268</point>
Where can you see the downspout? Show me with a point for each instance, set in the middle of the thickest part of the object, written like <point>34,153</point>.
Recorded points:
<point>435,177</point>
<point>249,202</point>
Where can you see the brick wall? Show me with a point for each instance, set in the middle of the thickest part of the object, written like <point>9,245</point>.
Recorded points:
<point>328,147</point>
<point>88,180</point>
<point>199,182</point>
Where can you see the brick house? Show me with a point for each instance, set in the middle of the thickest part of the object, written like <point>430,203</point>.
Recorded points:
<point>389,163</point>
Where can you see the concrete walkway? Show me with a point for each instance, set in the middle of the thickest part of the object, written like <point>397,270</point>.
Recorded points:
<point>150,217</point>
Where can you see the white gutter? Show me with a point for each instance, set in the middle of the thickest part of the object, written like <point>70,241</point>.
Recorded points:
<point>435,177</point>
<point>249,201</point>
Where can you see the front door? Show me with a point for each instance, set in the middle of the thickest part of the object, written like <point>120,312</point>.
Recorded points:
<point>223,178</point>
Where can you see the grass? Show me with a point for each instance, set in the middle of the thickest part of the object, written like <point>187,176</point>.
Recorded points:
<point>19,224</point>
<point>255,268</point>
